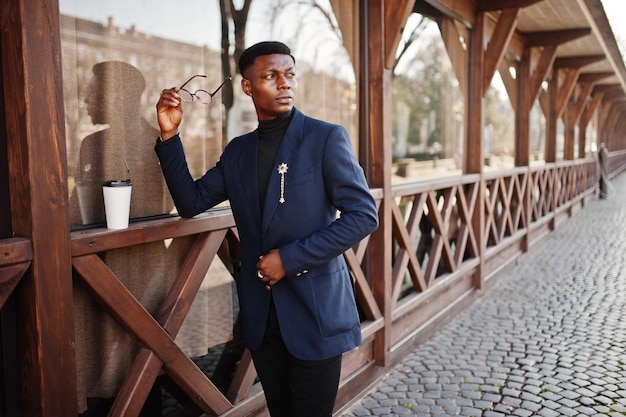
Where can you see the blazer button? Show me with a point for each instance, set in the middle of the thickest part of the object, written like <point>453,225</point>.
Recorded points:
<point>268,287</point>
<point>306,271</point>
<point>298,274</point>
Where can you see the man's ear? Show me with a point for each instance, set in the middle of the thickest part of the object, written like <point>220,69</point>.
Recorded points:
<point>246,87</point>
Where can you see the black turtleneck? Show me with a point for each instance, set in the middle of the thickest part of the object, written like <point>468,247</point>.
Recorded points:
<point>271,133</point>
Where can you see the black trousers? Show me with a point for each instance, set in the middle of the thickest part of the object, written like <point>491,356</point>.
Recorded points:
<point>294,387</point>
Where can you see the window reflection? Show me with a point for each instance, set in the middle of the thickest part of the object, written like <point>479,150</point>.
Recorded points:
<point>95,32</point>
<point>113,100</point>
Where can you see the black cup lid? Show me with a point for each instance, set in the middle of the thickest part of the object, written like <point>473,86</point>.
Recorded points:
<point>117,183</point>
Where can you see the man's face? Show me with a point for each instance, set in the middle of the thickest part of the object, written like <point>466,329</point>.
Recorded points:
<point>272,84</point>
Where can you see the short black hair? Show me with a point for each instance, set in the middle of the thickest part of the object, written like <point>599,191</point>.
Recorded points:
<point>262,48</point>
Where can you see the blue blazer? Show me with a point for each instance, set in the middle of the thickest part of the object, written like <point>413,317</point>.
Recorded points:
<point>315,301</point>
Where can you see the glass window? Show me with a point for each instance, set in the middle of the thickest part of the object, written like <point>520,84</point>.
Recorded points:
<point>118,55</point>
<point>499,130</point>
<point>428,106</point>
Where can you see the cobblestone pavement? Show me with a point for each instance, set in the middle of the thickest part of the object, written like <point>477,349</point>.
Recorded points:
<point>547,340</point>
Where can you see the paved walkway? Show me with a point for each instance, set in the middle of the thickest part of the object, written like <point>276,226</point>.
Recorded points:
<point>548,340</point>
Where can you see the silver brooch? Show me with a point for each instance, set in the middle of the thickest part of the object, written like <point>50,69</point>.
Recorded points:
<point>282,170</point>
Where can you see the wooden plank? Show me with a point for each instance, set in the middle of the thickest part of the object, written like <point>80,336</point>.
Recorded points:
<point>15,250</point>
<point>85,242</point>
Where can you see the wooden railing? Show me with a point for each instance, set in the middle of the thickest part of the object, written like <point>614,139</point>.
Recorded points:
<point>444,248</point>
<point>449,238</point>
<point>215,234</point>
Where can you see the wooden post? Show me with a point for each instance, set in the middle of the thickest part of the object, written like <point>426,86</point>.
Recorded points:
<point>473,146</point>
<point>32,76</point>
<point>569,134</point>
<point>375,86</point>
<point>522,114</point>
<point>552,118</point>
<point>522,131</point>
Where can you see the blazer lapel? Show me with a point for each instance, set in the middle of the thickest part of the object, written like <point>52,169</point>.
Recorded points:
<point>248,166</point>
<point>288,158</point>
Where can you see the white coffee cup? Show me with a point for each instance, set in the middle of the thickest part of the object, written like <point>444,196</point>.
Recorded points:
<point>117,203</point>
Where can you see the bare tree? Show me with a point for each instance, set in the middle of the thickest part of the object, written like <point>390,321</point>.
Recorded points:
<point>239,19</point>
<point>413,36</point>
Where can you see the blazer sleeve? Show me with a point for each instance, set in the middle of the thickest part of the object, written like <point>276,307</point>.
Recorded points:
<point>190,196</point>
<point>348,191</point>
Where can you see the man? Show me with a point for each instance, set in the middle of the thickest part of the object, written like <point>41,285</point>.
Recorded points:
<point>285,182</point>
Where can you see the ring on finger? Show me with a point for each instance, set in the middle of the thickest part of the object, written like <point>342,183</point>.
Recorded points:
<point>259,274</point>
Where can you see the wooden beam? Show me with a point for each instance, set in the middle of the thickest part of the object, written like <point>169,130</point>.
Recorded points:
<point>553,37</point>
<point>427,10</point>
<point>596,99</point>
<point>576,107</point>
<point>593,77</point>
<point>576,110</point>
<point>463,11</point>
<point>510,84</point>
<point>542,69</point>
<point>492,5</point>
<point>565,90</point>
<point>607,88</point>
<point>456,52</point>
<point>498,43</point>
<point>396,15</point>
<point>614,95</point>
<point>577,61</point>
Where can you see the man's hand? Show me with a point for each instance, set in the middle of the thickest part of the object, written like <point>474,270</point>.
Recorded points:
<point>270,267</point>
<point>169,112</point>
